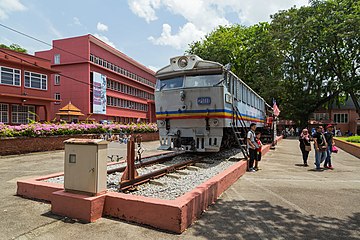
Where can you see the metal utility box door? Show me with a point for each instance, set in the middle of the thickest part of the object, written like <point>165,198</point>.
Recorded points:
<point>85,167</point>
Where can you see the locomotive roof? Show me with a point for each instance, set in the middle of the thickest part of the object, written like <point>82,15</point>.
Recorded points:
<point>181,65</point>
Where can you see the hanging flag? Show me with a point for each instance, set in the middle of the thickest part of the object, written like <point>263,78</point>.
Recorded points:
<point>275,109</point>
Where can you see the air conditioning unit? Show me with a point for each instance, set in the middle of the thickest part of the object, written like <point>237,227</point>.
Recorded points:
<point>85,168</point>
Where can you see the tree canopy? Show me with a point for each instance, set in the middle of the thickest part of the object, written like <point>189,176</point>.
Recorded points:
<point>305,57</point>
<point>14,47</point>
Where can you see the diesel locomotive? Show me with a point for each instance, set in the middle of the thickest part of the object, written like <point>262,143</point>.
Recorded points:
<point>198,103</point>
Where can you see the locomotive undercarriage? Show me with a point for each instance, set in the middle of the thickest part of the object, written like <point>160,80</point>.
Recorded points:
<point>197,140</point>
<point>192,140</point>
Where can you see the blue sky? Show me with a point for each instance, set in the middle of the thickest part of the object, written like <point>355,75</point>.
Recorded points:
<point>150,31</point>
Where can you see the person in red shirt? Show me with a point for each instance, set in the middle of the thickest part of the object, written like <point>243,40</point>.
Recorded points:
<point>258,151</point>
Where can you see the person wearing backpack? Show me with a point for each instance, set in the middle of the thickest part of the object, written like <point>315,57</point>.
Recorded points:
<point>252,146</point>
<point>320,146</point>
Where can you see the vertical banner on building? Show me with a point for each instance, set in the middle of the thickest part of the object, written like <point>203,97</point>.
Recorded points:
<point>99,93</point>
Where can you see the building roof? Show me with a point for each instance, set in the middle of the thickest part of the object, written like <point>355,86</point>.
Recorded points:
<point>25,59</point>
<point>70,110</point>
<point>349,104</point>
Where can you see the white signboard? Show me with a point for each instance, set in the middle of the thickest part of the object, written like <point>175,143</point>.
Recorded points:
<point>99,93</point>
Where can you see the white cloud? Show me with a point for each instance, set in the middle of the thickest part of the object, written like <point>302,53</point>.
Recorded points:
<point>105,39</point>
<point>102,27</point>
<point>153,68</point>
<point>186,35</point>
<point>9,6</point>
<point>203,16</point>
<point>55,31</point>
<point>145,8</point>
<point>76,21</point>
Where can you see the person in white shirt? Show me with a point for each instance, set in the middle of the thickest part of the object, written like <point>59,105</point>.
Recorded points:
<point>252,146</point>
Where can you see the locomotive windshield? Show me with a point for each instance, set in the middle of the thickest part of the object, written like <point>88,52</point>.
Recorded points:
<point>188,81</point>
<point>203,80</point>
<point>171,83</point>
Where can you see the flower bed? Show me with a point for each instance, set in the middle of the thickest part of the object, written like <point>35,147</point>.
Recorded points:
<point>48,129</point>
<point>49,137</point>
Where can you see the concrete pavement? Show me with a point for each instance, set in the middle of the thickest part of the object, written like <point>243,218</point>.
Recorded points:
<point>282,201</point>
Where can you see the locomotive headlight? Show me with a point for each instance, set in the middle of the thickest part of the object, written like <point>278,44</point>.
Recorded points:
<point>215,122</point>
<point>183,62</point>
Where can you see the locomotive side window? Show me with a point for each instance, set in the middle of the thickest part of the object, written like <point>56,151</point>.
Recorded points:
<point>235,86</point>
<point>203,80</point>
<point>244,94</point>
<point>171,83</point>
<point>239,91</point>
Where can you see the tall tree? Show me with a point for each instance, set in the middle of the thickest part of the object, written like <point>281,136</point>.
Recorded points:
<point>305,58</point>
<point>320,49</point>
<point>250,52</point>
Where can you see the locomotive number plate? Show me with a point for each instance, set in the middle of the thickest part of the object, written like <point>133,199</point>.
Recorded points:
<point>204,100</point>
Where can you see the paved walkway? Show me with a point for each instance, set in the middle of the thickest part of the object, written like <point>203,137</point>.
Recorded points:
<point>282,201</point>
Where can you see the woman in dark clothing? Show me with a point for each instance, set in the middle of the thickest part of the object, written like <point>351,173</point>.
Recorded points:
<point>305,146</point>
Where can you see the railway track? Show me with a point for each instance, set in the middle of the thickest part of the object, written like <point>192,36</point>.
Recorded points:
<point>161,171</point>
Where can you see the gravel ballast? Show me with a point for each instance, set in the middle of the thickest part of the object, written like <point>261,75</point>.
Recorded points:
<point>177,183</point>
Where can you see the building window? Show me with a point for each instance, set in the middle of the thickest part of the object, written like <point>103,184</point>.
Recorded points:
<point>35,80</point>
<point>341,118</point>
<point>10,76</point>
<point>115,68</point>
<point>4,113</point>
<point>57,79</point>
<point>57,96</point>
<point>57,59</point>
<point>22,114</point>
<point>321,116</point>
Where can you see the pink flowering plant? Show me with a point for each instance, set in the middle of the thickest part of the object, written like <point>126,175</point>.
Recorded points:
<point>51,129</point>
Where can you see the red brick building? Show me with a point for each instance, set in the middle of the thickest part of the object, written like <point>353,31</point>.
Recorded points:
<point>25,88</point>
<point>344,117</point>
<point>102,82</point>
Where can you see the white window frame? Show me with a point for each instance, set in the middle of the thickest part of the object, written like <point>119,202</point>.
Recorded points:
<point>15,73</point>
<point>57,59</point>
<point>43,77</point>
<point>57,96</point>
<point>338,118</point>
<point>15,114</point>
<point>57,80</point>
<point>4,113</point>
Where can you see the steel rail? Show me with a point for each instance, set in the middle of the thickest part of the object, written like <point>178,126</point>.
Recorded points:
<point>159,159</point>
<point>156,174</point>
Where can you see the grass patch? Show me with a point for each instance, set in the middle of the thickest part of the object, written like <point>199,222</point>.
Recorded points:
<point>352,139</point>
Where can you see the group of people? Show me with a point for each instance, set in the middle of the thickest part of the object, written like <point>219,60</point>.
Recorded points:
<point>323,145</point>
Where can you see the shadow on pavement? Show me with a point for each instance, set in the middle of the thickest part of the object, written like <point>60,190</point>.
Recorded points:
<point>260,220</point>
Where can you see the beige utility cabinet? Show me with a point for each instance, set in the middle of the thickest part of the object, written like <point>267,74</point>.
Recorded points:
<point>85,169</point>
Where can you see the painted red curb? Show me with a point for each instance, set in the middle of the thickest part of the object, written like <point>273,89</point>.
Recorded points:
<point>36,188</point>
<point>82,207</point>
<point>348,147</point>
<point>171,215</point>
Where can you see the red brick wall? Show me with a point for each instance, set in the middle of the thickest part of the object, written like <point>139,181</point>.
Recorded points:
<point>9,146</point>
